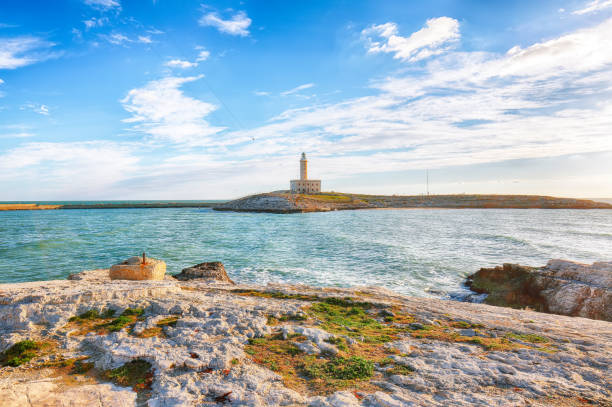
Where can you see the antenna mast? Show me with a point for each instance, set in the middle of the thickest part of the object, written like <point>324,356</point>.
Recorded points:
<point>427,175</point>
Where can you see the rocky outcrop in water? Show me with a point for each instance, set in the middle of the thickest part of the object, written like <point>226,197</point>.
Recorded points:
<point>210,270</point>
<point>93,341</point>
<point>560,287</point>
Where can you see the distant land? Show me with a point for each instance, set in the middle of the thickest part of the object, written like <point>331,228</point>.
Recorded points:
<point>104,205</point>
<point>285,202</point>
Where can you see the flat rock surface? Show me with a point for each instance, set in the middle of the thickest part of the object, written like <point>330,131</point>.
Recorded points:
<point>199,358</point>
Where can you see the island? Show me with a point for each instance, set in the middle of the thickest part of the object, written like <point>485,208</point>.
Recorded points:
<point>290,202</point>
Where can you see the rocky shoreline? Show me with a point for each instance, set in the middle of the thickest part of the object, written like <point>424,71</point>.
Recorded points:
<point>560,287</point>
<point>200,341</point>
<point>284,202</point>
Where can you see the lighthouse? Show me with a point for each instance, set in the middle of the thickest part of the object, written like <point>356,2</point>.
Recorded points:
<point>304,185</point>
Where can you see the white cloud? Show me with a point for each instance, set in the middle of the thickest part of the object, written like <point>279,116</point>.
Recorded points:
<point>1,81</point>
<point>103,4</point>
<point>203,55</point>
<point>297,89</point>
<point>21,51</point>
<point>116,38</point>
<point>593,7</point>
<point>549,99</point>
<point>237,24</point>
<point>36,107</point>
<point>261,93</point>
<point>95,22</point>
<point>145,39</point>
<point>178,63</point>
<point>122,39</point>
<point>438,35</point>
<point>17,135</point>
<point>66,170</point>
<point>164,112</point>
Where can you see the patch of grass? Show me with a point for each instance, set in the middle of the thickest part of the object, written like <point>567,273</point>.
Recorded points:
<point>532,338</point>
<point>93,314</point>
<point>158,329</point>
<point>20,353</point>
<point>465,325</point>
<point>274,294</point>
<point>235,361</point>
<point>132,312</point>
<point>72,366</point>
<point>350,319</point>
<point>340,368</point>
<point>118,324</point>
<point>340,343</point>
<point>91,321</point>
<point>344,302</point>
<point>399,369</point>
<point>136,374</point>
<point>329,197</point>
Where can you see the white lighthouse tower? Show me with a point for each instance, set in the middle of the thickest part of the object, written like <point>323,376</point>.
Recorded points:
<point>305,185</point>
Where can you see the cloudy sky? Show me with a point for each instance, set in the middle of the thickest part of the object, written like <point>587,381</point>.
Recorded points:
<point>159,99</point>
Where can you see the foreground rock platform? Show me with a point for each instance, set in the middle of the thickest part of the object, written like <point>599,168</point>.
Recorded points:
<point>561,287</point>
<point>211,343</point>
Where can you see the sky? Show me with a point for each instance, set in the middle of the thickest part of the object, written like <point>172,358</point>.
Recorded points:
<point>161,99</point>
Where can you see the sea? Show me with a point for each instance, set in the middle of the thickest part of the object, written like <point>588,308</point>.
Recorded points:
<point>421,252</point>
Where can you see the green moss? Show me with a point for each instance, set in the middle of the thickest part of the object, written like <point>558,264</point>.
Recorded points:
<point>132,311</point>
<point>400,369</point>
<point>340,368</point>
<point>532,338</point>
<point>170,321</point>
<point>117,324</point>
<point>20,353</point>
<point>136,374</point>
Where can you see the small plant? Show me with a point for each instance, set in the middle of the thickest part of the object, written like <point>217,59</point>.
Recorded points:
<point>117,324</point>
<point>235,361</point>
<point>136,374</point>
<point>80,367</point>
<point>400,370</point>
<point>339,342</point>
<point>341,368</point>
<point>132,311</point>
<point>20,353</point>
<point>385,362</point>
<point>532,338</point>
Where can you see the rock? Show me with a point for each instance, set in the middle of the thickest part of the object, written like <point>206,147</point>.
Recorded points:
<point>467,332</point>
<point>561,287</point>
<point>134,269</point>
<point>211,270</point>
<point>48,392</point>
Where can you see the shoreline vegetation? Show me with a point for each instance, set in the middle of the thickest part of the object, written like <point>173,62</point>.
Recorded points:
<point>286,202</point>
<point>205,340</point>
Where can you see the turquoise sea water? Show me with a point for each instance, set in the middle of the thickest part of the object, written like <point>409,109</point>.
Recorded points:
<point>420,252</point>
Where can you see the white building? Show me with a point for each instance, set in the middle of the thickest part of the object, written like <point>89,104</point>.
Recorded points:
<point>305,185</point>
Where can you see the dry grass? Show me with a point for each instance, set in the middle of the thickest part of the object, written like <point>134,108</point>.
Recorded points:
<point>158,329</point>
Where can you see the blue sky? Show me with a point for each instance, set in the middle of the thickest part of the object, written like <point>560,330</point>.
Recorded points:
<point>117,99</point>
